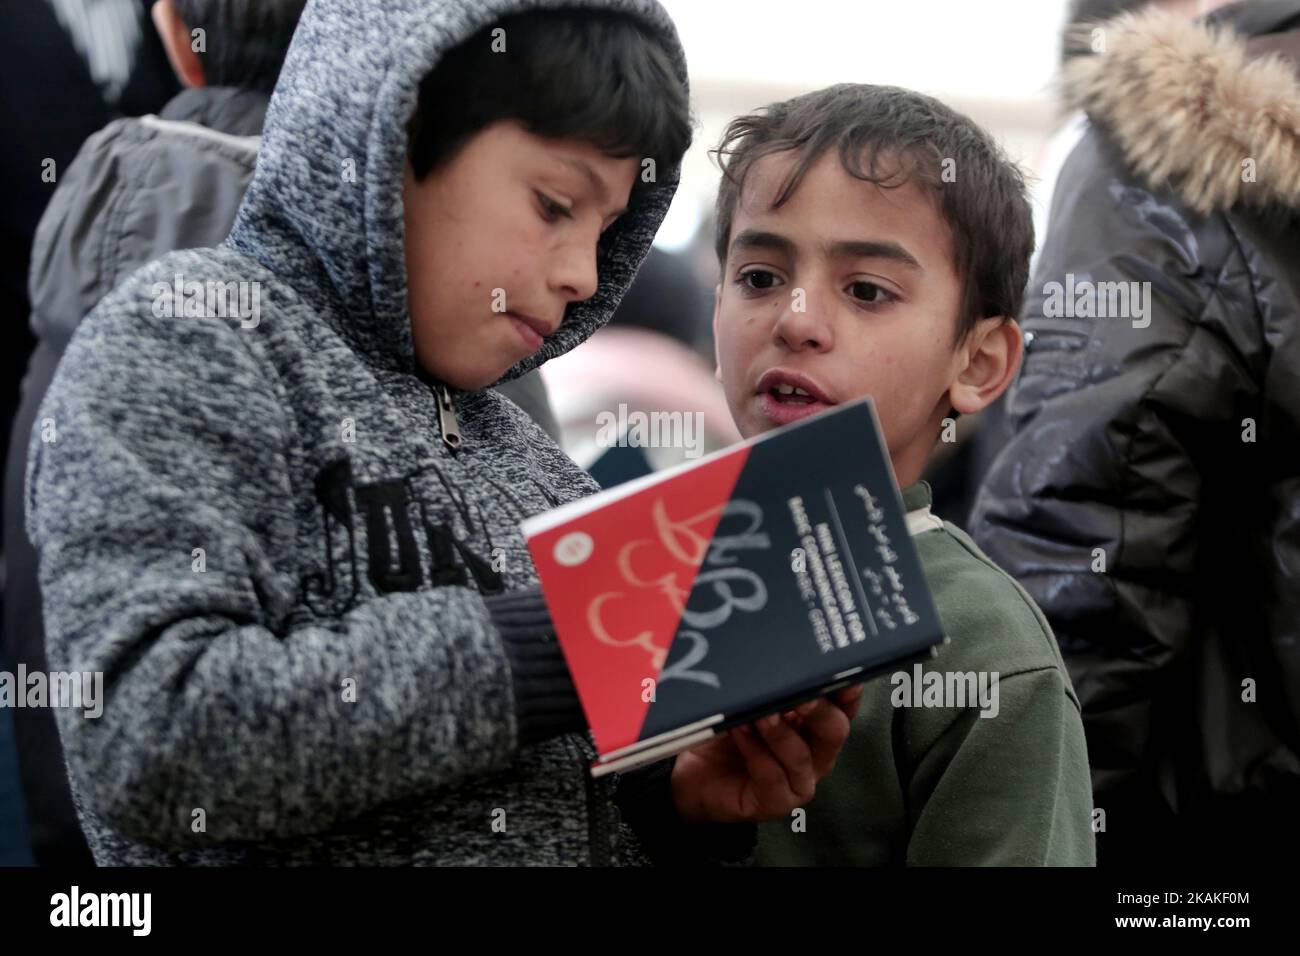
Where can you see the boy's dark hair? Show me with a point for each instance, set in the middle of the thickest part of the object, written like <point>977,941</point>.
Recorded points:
<point>890,136</point>
<point>591,75</point>
<point>245,40</point>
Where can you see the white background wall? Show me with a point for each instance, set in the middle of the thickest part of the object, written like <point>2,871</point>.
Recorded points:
<point>993,60</point>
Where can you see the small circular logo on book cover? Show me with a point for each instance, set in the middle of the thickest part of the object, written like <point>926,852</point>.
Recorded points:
<point>573,549</point>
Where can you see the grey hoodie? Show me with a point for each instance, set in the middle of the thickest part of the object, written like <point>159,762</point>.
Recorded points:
<point>256,532</point>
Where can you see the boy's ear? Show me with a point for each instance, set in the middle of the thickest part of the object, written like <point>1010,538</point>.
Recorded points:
<point>175,35</point>
<point>990,356</point>
<point>717,360</point>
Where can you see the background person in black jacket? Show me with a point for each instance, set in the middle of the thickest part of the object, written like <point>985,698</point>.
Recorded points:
<point>1149,497</point>
<point>67,67</point>
<point>137,189</point>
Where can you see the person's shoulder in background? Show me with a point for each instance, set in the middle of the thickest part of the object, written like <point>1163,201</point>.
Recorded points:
<point>138,189</point>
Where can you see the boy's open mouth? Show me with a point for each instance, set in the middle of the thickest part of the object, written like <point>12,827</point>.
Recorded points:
<point>790,394</point>
<point>786,395</point>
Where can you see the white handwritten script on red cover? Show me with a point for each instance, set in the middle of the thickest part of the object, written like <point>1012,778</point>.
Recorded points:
<point>629,577</point>
<point>687,550</point>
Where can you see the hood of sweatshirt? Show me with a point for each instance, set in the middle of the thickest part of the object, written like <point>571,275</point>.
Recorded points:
<point>326,199</point>
<point>1189,101</point>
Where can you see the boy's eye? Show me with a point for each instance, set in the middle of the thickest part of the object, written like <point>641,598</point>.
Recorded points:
<point>869,292</point>
<point>552,210</point>
<point>758,279</point>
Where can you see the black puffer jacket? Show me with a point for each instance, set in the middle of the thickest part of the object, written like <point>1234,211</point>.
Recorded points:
<point>1149,497</point>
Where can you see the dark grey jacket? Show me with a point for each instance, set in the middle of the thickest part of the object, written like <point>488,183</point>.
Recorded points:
<point>257,535</point>
<point>1149,498</point>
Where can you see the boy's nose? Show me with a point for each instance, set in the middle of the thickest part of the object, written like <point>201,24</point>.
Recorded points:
<point>803,325</point>
<point>575,275</point>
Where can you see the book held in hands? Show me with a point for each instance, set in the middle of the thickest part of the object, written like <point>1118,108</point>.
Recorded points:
<point>702,597</point>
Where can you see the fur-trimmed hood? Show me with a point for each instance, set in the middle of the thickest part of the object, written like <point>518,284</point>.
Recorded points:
<point>1190,102</point>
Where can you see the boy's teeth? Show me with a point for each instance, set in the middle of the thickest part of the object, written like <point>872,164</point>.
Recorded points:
<point>791,394</point>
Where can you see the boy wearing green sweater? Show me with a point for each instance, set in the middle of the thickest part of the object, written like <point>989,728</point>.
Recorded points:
<point>875,242</point>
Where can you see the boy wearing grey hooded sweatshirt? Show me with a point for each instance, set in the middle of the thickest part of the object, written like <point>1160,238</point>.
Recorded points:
<point>138,189</point>
<point>277,504</point>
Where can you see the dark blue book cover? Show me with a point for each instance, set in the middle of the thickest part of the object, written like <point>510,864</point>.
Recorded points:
<point>621,463</point>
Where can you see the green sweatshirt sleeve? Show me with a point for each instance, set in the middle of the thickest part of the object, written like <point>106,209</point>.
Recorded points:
<point>1006,790</point>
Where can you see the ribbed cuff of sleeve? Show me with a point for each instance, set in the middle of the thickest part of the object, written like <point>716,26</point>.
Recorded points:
<point>546,703</point>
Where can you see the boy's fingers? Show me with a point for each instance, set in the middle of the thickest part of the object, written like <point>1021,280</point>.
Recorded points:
<point>849,700</point>
<point>796,759</point>
<point>764,770</point>
<point>826,729</point>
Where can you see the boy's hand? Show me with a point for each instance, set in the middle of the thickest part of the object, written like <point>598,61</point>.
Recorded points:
<point>764,770</point>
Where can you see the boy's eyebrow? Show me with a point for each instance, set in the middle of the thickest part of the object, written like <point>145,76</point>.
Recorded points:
<point>757,239</point>
<point>597,184</point>
<point>873,249</point>
<point>841,249</point>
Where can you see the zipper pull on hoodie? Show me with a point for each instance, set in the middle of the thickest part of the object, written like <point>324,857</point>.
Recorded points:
<point>447,418</point>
